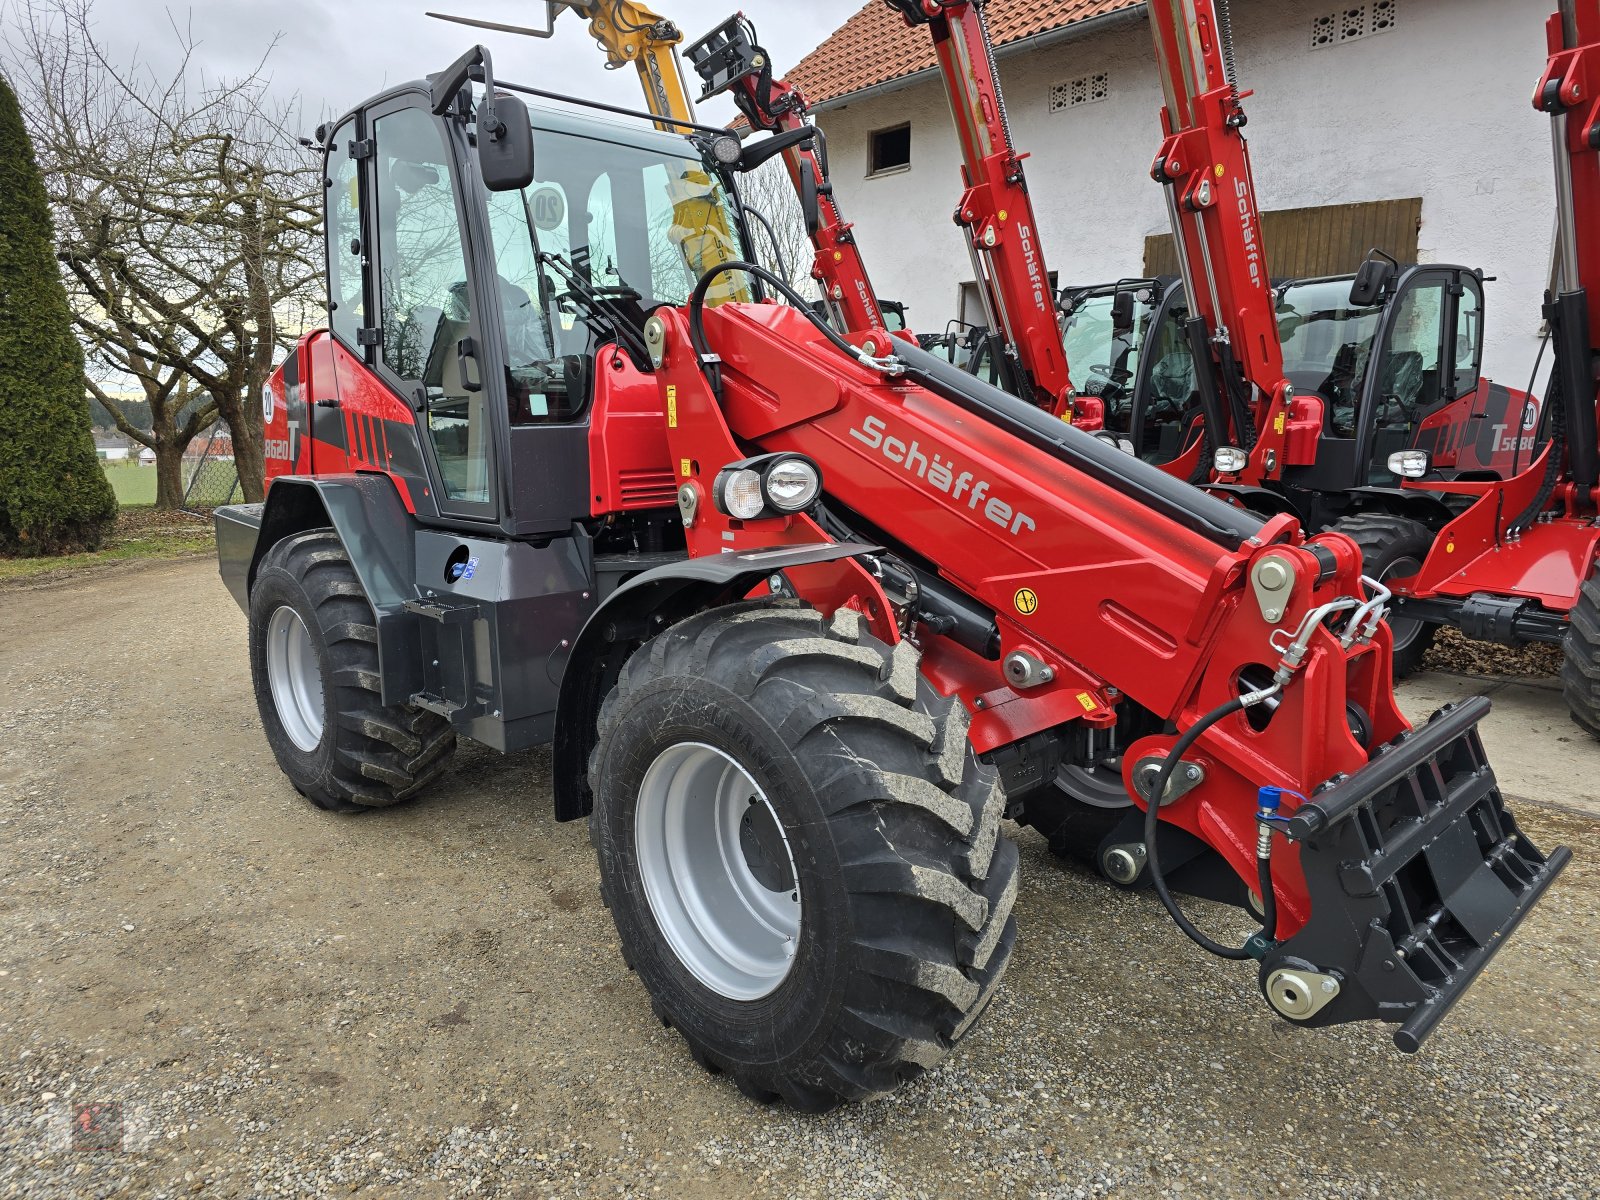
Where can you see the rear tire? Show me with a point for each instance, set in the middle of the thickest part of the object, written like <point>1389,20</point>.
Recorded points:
<point>883,863</point>
<point>314,664</point>
<point>1393,548</point>
<point>1580,665</point>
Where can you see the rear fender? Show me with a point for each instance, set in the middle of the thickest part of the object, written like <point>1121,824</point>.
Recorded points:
<point>379,536</point>
<point>1425,507</point>
<point>638,610</point>
<point>1258,500</point>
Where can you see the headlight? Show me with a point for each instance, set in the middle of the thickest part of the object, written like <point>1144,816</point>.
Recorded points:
<point>1229,460</point>
<point>1409,464</point>
<point>739,495</point>
<point>792,484</point>
<point>770,485</point>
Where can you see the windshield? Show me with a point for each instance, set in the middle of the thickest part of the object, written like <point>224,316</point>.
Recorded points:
<point>1327,343</point>
<point>604,232</point>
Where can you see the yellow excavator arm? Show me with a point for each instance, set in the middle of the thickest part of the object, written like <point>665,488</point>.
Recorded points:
<point>630,33</point>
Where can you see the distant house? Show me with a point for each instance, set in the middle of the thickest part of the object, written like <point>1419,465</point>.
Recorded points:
<point>147,457</point>
<point>207,446</point>
<point>112,447</point>
<point>1405,122</point>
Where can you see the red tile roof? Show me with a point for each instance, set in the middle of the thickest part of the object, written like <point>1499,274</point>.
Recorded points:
<point>876,45</point>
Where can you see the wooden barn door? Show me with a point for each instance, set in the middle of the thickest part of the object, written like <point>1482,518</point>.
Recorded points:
<point>1307,242</point>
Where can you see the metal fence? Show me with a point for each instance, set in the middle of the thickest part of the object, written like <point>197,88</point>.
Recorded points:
<point>210,478</point>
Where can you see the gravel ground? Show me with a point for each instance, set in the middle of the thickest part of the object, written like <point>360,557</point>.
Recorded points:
<point>266,1000</point>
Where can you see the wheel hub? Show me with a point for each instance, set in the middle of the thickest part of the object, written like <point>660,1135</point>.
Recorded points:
<point>717,871</point>
<point>295,678</point>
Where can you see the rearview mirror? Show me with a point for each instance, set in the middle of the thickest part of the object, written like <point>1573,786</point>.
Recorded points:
<point>506,157</point>
<point>1370,282</point>
<point>1122,312</point>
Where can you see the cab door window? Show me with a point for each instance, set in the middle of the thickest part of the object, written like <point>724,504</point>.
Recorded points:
<point>426,298</point>
<point>1468,341</point>
<point>347,312</point>
<point>1408,383</point>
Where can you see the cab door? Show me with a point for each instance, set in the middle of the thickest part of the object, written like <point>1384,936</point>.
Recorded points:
<point>1422,388</point>
<point>428,344</point>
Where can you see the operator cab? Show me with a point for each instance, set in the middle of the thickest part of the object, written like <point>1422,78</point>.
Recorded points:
<point>1395,355</point>
<point>485,311</point>
<point>1125,344</point>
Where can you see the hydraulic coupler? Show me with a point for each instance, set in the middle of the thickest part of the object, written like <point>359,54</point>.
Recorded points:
<point>1417,874</point>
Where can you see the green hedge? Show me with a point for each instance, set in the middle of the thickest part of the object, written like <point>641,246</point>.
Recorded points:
<point>54,497</point>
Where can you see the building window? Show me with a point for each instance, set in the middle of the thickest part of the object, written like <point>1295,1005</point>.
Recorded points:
<point>1354,21</point>
<point>889,150</point>
<point>1087,89</point>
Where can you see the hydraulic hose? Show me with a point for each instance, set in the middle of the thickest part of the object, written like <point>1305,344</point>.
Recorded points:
<point>1152,821</point>
<point>697,324</point>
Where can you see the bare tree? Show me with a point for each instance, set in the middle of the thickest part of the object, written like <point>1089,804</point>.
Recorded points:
<point>188,219</point>
<point>781,240</point>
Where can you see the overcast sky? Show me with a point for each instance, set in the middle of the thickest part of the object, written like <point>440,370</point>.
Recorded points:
<point>333,53</point>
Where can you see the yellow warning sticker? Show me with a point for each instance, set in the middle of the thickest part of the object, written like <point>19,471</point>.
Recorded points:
<point>1278,423</point>
<point>672,406</point>
<point>1002,214</point>
<point>1026,600</point>
<point>1221,170</point>
<point>1449,547</point>
<point>685,467</point>
<point>1087,701</point>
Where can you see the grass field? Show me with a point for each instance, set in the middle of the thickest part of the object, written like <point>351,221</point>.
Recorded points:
<point>135,484</point>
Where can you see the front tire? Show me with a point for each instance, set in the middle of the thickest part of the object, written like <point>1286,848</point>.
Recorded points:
<point>800,851</point>
<point>314,664</point>
<point>1580,659</point>
<point>1393,548</point>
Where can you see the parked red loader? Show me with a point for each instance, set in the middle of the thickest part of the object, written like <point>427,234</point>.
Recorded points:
<point>804,612</point>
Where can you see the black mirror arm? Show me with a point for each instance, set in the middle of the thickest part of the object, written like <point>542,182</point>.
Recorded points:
<point>805,137</point>
<point>475,65</point>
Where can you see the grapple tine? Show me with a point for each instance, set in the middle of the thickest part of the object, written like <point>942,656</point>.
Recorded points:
<point>1417,873</point>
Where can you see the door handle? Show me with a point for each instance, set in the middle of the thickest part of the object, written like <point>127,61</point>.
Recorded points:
<point>467,352</point>
<point>328,402</point>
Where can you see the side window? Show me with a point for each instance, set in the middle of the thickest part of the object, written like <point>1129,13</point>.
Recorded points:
<point>346,306</point>
<point>426,298</point>
<point>1468,341</point>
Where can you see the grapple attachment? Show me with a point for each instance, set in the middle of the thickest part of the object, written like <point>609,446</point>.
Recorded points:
<point>1417,873</point>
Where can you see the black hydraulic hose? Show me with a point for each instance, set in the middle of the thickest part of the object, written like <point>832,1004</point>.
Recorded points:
<point>772,238</point>
<point>1269,898</point>
<point>1152,820</point>
<point>1553,400</point>
<point>1533,379</point>
<point>697,304</point>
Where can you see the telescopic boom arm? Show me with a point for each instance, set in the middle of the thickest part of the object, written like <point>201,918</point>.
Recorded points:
<point>1204,165</point>
<point>1570,93</point>
<point>996,214</point>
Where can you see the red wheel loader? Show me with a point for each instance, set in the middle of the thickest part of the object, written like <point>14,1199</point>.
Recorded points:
<point>803,612</point>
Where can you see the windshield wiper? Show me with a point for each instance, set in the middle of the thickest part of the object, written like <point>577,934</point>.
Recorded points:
<point>614,309</point>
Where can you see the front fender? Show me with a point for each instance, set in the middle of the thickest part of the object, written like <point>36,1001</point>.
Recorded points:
<point>377,533</point>
<point>638,610</point>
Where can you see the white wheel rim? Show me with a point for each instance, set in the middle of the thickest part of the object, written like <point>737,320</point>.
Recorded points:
<point>295,678</point>
<point>717,871</point>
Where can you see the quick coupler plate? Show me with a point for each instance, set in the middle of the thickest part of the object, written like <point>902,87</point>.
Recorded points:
<point>1417,874</point>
